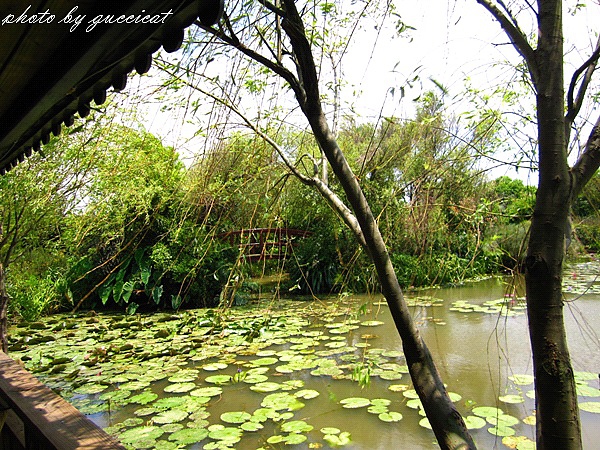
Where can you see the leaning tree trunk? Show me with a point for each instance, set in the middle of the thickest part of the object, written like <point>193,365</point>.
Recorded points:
<point>558,425</point>
<point>445,420</point>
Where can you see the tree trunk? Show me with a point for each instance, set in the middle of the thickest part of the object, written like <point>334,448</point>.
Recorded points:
<point>445,420</point>
<point>556,397</point>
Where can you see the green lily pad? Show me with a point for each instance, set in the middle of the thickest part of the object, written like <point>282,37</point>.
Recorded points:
<point>337,440</point>
<point>424,422</point>
<point>180,387</point>
<point>414,403</point>
<point>210,391</point>
<point>296,426</point>
<point>518,442</point>
<point>398,387</point>
<point>229,435</point>
<point>214,366</point>
<point>135,385</point>
<point>294,439</point>
<point>487,411</point>
<point>391,416</point>
<point>474,422</point>
<point>330,430</point>
<point>372,323</point>
<point>267,386</point>
<point>189,436</point>
<point>502,420</point>
<point>143,398</point>
<point>307,394</point>
<point>265,361</point>
<point>587,391</point>
<point>136,434</point>
<point>522,380</point>
<point>91,388</point>
<point>592,407</point>
<point>251,426</point>
<point>170,416</point>
<point>410,393</point>
<point>355,402</point>
<point>511,398</point>
<point>501,430</point>
<point>282,400</point>
<point>218,379</point>
<point>235,417</point>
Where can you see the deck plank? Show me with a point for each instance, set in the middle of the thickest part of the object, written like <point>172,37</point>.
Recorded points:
<point>60,424</point>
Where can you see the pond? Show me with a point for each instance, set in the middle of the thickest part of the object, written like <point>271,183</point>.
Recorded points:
<point>311,374</point>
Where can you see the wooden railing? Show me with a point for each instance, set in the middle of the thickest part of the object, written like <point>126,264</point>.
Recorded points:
<point>264,243</point>
<point>37,418</point>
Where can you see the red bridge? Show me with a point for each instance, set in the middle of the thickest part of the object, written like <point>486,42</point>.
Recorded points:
<point>260,244</point>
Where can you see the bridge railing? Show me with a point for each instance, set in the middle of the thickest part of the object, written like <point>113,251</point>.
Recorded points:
<point>37,418</point>
<point>264,243</point>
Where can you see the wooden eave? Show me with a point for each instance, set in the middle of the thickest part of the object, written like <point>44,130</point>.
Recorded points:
<point>50,72</point>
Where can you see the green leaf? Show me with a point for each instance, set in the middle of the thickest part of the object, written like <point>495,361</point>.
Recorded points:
<point>157,292</point>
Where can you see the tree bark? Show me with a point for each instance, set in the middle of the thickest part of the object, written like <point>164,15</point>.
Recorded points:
<point>558,424</point>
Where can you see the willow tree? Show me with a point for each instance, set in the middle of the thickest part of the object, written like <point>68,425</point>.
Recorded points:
<point>284,40</point>
<point>559,184</point>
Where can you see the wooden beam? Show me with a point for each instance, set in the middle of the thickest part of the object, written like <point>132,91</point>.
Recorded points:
<point>49,421</point>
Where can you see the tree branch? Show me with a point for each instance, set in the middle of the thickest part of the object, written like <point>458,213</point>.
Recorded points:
<point>574,104</point>
<point>589,161</point>
<point>275,67</point>
<point>516,36</point>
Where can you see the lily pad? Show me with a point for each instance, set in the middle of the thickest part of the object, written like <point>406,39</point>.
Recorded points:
<point>267,386</point>
<point>143,398</point>
<point>235,417</point>
<point>502,430</point>
<point>307,394</point>
<point>511,398</point>
<point>337,440</point>
<point>189,436</point>
<point>592,407</point>
<point>91,388</point>
<point>391,416</point>
<point>502,420</point>
<point>210,391</point>
<point>355,402</point>
<point>587,391</point>
<point>487,411</point>
<point>474,422</point>
<point>136,434</point>
<point>522,380</point>
<point>218,379</point>
<point>296,426</point>
<point>372,323</point>
<point>170,416</point>
<point>180,387</point>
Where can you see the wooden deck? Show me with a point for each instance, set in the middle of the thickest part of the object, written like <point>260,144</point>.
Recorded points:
<point>40,419</point>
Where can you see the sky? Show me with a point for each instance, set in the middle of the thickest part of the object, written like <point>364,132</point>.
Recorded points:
<point>452,40</point>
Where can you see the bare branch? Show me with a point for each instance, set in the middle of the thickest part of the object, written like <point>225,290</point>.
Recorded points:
<point>574,104</point>
<point>516,36</point>
<point>274,66</point>
<point>589,161</point>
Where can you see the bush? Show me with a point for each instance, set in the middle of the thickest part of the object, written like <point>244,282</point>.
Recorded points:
<point>34,296</point>
<point>588,233</point>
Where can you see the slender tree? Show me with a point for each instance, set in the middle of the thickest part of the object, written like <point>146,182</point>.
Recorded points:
<point>290,55</point>
<point>558,424</point>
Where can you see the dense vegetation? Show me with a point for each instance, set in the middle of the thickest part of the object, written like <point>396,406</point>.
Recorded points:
<point>110,218</point>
